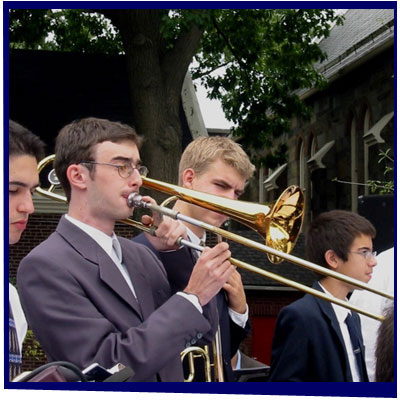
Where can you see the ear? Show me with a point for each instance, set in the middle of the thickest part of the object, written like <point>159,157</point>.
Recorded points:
<point>332,259</point>
<point>77,176</point>
<point>188,177</point>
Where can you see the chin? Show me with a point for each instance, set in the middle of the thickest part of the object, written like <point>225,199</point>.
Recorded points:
<point>13,239</point>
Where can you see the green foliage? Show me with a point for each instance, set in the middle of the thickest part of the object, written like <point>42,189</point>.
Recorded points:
<point>65,30</point>
<point>384,187</point>
<point>266,54</point>
<point>174,23</point>
<point>12,280</point>
<point>32,348</point>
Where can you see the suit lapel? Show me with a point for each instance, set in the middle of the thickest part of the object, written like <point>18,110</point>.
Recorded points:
<point>91,251</point>
<point>329,313</point>
<point>140,283</point>
<point>112,277</point>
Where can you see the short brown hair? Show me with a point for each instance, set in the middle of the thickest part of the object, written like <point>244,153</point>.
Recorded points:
<point>335,230</point>
<point>23,142</point>
<point>76,140</point>
<point>200,153</point>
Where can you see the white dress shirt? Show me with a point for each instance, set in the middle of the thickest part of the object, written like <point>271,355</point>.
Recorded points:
<point>341,315</point>
<point>382,279</point>
<point>18,314</point>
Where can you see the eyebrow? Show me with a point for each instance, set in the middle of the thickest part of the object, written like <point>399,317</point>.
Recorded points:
<point>365,248</point>
<point>238,192</point>
<point>23,184</point>
<point>126,159</point>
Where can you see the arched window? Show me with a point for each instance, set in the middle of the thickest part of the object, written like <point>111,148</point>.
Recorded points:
<point>353,166</point>
<point>302,164</point>
<point>366,126</point>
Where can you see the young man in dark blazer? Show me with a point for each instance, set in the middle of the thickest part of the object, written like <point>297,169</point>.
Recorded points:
<point>219,166</point>
<point>313,338</point>
<point>93,297</point>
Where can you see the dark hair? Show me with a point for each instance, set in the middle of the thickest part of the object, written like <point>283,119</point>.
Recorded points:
<point>23,142</point>
<point>76,140</point>
<point>384,352</point>
<point>335,230</point>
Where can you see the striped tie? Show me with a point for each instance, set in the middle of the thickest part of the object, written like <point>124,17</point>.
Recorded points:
<point>15,359</point>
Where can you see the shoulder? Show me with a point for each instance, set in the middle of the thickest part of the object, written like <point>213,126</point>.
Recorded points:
<point>304,310</point>
<point>51,247</point>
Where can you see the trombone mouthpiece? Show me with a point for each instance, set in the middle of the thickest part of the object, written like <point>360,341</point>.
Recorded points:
<point>135,200</point>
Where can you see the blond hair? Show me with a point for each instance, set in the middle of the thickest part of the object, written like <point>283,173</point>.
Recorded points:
<point>203,151</point>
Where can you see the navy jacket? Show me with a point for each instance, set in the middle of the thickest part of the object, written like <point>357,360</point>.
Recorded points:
<point>308,345</point>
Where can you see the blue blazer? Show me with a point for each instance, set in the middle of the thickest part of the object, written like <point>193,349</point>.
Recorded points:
<point>82,310</point>
<point>179,272</point>
<point>308,345</point>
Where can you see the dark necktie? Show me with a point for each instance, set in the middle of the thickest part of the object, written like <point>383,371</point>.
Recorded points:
<point>15,359</point>
<point>355,337</point>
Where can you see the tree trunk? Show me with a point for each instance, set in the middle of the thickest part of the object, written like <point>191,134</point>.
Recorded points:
<point>156,77</point>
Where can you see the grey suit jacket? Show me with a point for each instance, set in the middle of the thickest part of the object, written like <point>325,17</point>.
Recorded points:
<point>81,309</point>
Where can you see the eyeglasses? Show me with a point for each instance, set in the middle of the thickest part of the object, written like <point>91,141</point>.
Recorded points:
<point>367,254</point>
<point>124,170</point>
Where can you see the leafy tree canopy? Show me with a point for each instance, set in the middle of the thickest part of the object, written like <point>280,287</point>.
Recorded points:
<point>253,61</point>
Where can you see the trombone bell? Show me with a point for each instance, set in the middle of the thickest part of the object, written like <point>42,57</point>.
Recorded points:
<point>279,224</point>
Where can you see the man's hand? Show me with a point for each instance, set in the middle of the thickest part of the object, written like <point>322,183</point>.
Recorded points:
<point>167,232</point>
<point>210,273</point>
<point>235,291</point>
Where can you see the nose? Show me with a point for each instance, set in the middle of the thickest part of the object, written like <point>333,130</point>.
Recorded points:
<point>231,194</point>
<point>135,179</point>
<point>26,204</point>
<point>372,261</point>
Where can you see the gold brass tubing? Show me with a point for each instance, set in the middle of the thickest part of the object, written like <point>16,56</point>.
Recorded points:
<point>303,288</point>
<point>266,249</point>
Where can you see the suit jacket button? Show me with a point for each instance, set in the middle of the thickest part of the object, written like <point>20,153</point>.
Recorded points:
<point>199,335</point>
<point>188,344</point>
<point>193,341</point>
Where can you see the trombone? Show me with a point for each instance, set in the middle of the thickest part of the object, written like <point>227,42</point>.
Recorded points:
<point>279,224</point>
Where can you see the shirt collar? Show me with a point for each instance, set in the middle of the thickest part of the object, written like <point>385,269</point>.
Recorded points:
<point>341,312</point>
<point>101,238</point>
<point>194,238</point>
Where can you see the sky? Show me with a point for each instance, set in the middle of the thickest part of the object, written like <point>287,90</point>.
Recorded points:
<point>211,110</point>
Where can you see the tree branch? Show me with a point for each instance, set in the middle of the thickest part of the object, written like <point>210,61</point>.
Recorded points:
<point>233,51</point>
<point>212,70</point>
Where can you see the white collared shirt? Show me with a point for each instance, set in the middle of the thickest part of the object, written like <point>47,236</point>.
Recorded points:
<point>106,243</point>
<point>18,314</point>
<point>237,318</point>
<point>341,315</point>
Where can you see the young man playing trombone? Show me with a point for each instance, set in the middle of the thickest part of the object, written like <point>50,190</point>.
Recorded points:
<point>93,297</point>
<point>316,340</point>
<point>219,166</point>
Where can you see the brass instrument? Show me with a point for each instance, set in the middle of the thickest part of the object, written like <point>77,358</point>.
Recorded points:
<point>286,213</point>
<point>193,352</point>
